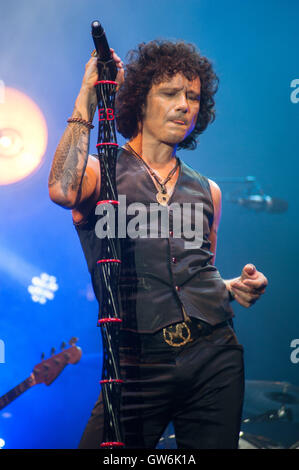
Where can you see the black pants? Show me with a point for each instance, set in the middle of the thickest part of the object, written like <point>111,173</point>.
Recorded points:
<point>198,386</point>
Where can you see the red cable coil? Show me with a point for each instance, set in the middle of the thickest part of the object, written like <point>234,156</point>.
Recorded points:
<point>109,261</point>
<point>110,320</point>
<point>106,143</point>
<point>107,201</point>
<point>110,444</point>
<point>106,81</point>
<point>111,381</point>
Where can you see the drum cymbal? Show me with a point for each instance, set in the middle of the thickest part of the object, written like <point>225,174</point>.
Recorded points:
<point>295,445</point>
<point>251,441</point>
<point>278,400</point>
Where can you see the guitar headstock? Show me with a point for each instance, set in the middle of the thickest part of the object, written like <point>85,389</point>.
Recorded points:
<point>48,369</point>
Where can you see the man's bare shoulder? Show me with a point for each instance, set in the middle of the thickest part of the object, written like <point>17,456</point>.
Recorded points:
<point>215,191</point>
<point>216,196</point>
<point>214,187</point>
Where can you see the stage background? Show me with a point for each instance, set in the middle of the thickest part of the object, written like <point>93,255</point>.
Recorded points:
<point>45,46</point>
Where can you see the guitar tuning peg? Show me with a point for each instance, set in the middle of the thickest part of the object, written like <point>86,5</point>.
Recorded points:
<point>73,341</point>
<point>43,356</point>
<point>63,345</point>
<point>53,351</point>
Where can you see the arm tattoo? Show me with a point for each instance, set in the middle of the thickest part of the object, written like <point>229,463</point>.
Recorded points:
<point>71,157</point>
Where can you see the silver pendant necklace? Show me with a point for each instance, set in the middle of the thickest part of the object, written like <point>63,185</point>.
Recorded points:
<point>162,196</point>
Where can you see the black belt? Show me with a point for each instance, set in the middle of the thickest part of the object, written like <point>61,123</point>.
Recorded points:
<point>175,335</point>
<point>179,334</point>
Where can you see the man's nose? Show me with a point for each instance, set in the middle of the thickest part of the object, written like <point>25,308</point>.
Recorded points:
<point>182,103</point>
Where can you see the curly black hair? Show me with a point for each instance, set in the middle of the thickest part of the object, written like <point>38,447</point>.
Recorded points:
<point>154,62</point>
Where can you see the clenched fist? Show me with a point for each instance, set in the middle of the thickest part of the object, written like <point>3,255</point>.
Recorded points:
<point>91,72</point>
<point>248,287</point>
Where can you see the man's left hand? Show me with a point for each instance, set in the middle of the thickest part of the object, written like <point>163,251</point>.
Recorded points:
<point>248,287</point>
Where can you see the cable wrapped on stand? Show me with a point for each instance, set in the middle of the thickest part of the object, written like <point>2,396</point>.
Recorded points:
<point>109,262</point>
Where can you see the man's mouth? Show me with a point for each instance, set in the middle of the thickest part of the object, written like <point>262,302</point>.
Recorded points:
<point>178,121</point>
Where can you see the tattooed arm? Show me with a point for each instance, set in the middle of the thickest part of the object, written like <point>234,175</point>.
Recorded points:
<point>72,179</point>
<point>66,186</point>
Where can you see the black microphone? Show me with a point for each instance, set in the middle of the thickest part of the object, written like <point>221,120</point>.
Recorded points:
<point>261,203</point>
<point>103,49</point>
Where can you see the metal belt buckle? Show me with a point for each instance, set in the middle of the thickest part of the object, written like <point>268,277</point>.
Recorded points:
<point>177,335</point>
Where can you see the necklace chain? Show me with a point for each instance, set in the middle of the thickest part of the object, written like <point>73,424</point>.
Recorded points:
<point>154,175</point>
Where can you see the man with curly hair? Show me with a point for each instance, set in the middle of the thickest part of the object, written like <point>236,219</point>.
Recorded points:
<point>180,357</point>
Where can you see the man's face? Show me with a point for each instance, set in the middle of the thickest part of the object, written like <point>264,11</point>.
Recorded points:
<point>171,109</point>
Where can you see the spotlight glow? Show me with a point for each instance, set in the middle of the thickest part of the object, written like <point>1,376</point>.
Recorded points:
<point>23,136</point>
<point>5,141</point>
<point>42,288</point>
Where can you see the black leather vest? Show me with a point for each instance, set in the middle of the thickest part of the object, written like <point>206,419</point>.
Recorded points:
<point>160,274</point>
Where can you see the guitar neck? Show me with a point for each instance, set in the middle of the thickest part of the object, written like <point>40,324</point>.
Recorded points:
<point>16,392</point>
<point>44,372</point>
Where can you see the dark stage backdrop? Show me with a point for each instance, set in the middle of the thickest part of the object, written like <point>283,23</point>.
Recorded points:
<point>44,48</point>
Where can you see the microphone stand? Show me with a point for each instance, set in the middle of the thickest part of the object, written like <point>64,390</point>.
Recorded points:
<point>108,265</point>
<point>249,183</point>
<point>252,196</point>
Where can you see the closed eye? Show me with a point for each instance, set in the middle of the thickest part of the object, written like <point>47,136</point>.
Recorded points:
<point>194,97</point>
